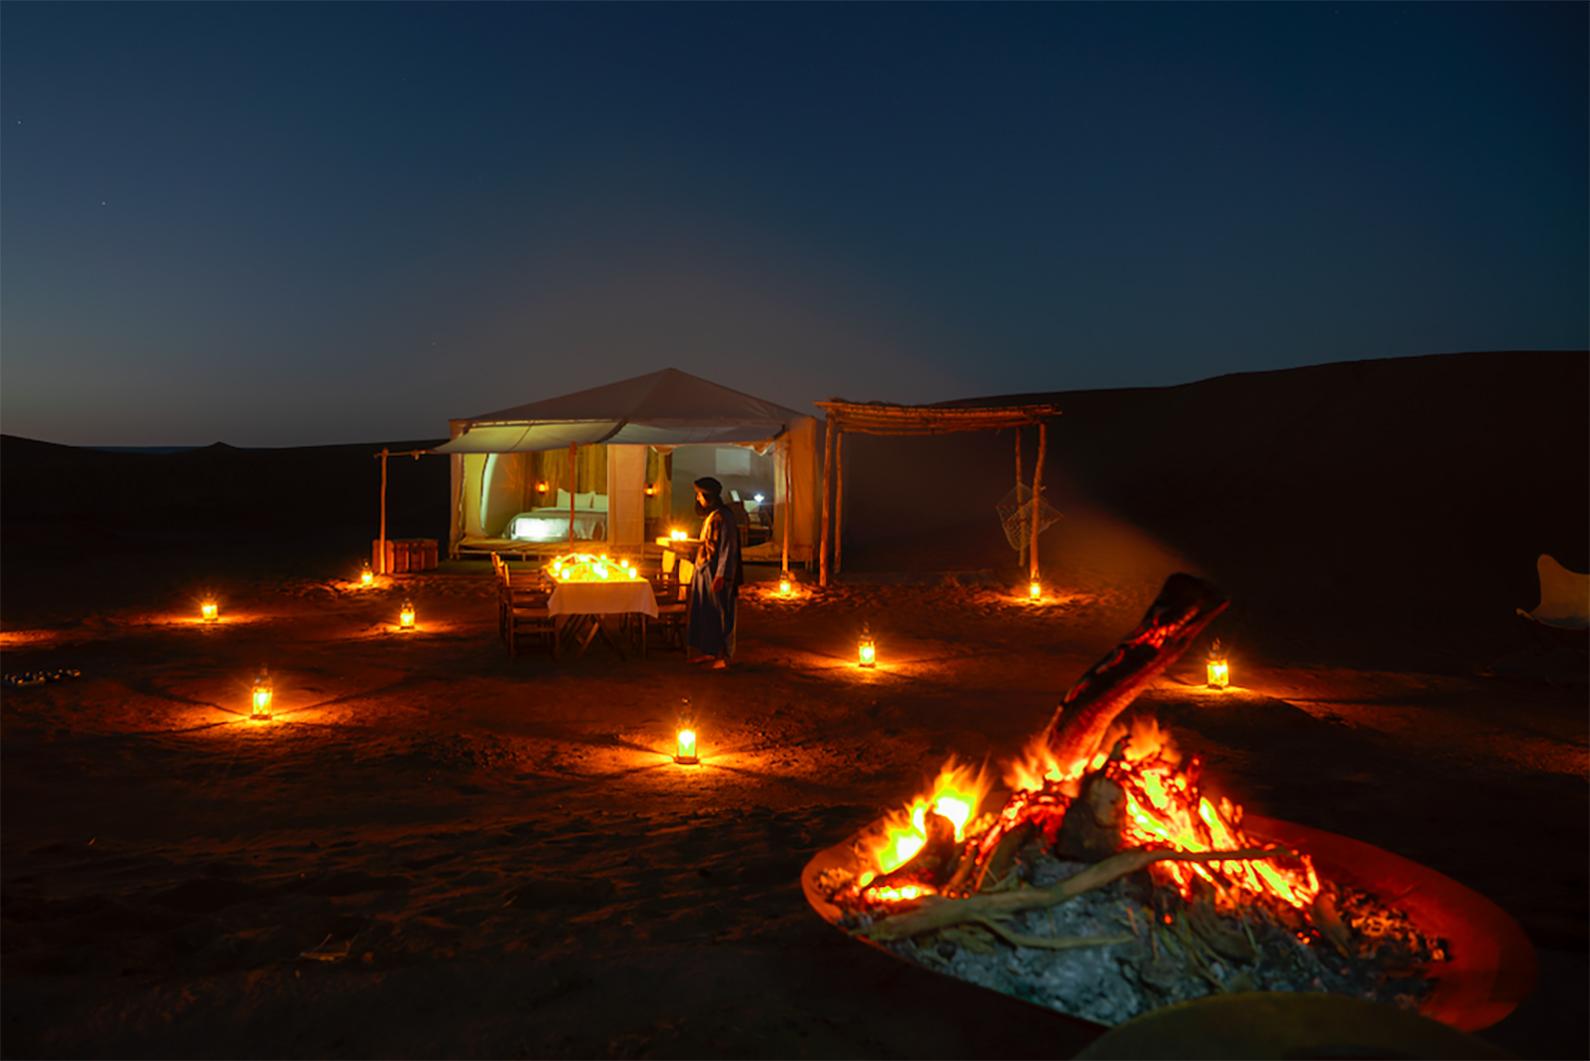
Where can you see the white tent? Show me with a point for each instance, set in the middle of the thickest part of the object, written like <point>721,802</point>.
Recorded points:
<point>596,464</point>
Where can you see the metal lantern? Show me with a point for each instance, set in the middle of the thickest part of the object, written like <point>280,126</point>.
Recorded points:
<point>406,616</point>
<point>209,610</point>
<point>1218,667</point>
<point>685,748</point>
<point>261,698</point>
<point>867,649</point>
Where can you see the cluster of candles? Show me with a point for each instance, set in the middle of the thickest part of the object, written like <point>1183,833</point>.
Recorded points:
<point>588,567</point>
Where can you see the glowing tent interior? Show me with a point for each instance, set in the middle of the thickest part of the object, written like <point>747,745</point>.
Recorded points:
<point>603,465</point>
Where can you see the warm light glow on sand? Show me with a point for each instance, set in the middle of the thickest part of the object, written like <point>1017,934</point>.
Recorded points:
<point>685,747</point>
<point>1034,589</point>
<point>209,610</point>
<point>1219,674</point>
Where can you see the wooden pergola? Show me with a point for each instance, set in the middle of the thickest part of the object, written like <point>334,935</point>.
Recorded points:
<point>882,418</point>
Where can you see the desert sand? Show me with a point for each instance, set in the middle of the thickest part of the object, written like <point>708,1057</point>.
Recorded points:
<point>434,850</point>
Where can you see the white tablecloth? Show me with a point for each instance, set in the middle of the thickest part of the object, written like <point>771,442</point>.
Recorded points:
<point>602,598</point>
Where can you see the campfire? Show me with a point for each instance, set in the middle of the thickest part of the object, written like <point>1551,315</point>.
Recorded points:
<point>1100,877</point>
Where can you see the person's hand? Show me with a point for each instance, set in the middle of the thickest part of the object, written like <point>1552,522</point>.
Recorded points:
<point>717,584</point>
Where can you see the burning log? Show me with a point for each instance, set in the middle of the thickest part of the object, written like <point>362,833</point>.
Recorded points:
<point>1185,606</point>
<point>935,913</point>
<point>933,865</point>
<point>1091,830</point>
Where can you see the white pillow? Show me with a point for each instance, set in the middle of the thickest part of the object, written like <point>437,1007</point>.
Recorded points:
<point>563,499</point>
<point>584,500</point>
<point>599,502</point>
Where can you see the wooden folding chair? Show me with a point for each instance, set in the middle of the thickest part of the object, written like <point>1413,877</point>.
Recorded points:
<point>522,612</point>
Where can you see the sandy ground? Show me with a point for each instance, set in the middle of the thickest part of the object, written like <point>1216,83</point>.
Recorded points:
<point>513,866</point>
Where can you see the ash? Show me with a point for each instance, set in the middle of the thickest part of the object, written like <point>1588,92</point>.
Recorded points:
<point>1158,963</point>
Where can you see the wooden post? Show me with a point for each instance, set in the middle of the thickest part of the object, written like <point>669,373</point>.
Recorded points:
<point>839,501</point>
<point>382,539</point>
<point>574,473</point>
<point>1037,483</point>
<point>1021,539</point>
<point>787,510</point>
<point>828,482</point>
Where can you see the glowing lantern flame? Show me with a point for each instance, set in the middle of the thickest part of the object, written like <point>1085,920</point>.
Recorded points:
<point>209,610</point>
<point>651,490</point>
<point>785,586</point>
<point>1218,667</point>
<point>685,747</point>
<point>541,486</point>
<point>261,698</point>
<point>1034,589</point>
<point>866,649</point>
<point>366,576</point>
<point>678,535</point>
<point>406,616</point>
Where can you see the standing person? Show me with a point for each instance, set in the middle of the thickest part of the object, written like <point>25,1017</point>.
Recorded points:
<point>714,588</point>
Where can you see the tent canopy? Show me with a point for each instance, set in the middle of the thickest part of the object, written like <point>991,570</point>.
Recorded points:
<point>666,408</point>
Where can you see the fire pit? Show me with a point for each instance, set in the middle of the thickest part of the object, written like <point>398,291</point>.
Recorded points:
<point>1104,884</point>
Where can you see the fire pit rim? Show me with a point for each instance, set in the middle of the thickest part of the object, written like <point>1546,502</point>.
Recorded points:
<point>1492,968</point>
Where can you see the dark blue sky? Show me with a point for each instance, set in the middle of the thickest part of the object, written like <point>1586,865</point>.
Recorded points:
<point>322,223</point>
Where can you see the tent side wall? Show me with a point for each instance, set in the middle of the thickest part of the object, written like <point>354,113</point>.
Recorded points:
<point>800,507</point>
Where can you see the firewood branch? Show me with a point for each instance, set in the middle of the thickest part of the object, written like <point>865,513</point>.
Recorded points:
<point>935,913</point>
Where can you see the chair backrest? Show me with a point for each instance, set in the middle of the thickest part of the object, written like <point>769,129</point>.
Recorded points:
<point>1564,595</point>
<point>669,559</point>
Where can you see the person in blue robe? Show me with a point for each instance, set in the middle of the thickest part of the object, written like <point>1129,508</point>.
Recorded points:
<point>715,585</point>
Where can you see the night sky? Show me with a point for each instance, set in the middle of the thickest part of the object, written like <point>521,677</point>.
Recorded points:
<point>296,224</point>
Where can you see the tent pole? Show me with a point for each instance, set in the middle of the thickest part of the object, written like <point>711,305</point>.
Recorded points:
<point>828,481</point>
<point>382,538</point>
<point>1037,482</point>
<point>574,473</point>
<point>787,510</point>
<point>839,501</point>
<point>1021,541</point>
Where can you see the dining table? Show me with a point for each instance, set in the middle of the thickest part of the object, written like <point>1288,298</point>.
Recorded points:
<point>580,609</point>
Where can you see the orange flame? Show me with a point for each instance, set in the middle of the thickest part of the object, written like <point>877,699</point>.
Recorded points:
<point>1165,808</point>
<point>956,794</point>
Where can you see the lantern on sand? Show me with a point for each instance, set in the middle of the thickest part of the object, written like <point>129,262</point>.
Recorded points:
<point>261,700</point>
<point>209,610</point>
<point>366,576</point>
<point>1218,666</point>
<point>785,585</point>
<point>866,649</point>
<point>1034,589</point>
<point>685,747</point>
<point>406,616</point>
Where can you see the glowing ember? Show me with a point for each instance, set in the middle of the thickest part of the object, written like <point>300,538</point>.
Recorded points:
<point>210,610</point>
<point>406,616</point>
<point>685,747</point>
<point>589,567</point>
<point>261,698</point>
